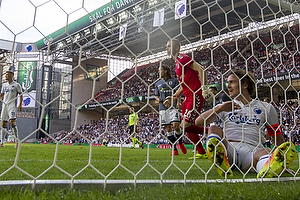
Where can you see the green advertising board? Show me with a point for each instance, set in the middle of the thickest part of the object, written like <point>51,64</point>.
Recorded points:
<point>86,21</point>
<point>27,75</point>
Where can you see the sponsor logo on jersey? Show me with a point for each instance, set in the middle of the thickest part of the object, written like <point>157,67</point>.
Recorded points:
<point>243,119</point>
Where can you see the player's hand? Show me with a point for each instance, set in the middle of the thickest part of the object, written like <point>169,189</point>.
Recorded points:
<point>206,93</point>
<point>229,106</point>
<point>20,108</point>
<point>168,102</point>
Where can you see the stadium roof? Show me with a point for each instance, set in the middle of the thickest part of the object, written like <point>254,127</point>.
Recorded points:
<point>198,25</point>
<point>98,32</point>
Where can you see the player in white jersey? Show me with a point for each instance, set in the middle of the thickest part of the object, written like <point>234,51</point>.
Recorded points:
<point>240,139</point>
<point>9,92</point>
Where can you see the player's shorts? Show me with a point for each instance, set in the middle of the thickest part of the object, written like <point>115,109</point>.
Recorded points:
<point>169,116</point>
<point>131,129</point>
<point>189,112</point>
<point>242,155</point>
<point>8,112</point>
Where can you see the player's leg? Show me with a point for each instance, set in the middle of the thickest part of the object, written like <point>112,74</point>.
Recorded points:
<point>165,116</point>
<point>4,117</point>
<point>268,142</point>
<point>175,119</point>
<point>178,133</point>
<point>134,139</point>
<point>15,131</point>
<point>11,110</point>
<point>139,142</point>
<point>132,135</point>
<point>190,113</point>
<point>217,152</point>
<point>171,138</point>
<point>3,133</point>
<point>281,159</point>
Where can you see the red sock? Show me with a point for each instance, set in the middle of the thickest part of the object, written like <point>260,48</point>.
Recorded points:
<point>195,138</point>
<point>196,129</point>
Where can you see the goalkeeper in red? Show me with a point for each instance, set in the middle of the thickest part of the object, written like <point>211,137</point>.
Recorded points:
<point>190,76</point>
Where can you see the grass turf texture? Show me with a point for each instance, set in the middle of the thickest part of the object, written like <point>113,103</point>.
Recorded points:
<point>238,191</point>
<point>110,162</point>
<point>124,163</point>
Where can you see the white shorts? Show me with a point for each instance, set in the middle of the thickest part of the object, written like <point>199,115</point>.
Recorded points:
<point>8,112</point>
<point>169,116</point>
<point>241,154</point>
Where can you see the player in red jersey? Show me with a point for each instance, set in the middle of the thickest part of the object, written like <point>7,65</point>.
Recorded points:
<point>190,76</point>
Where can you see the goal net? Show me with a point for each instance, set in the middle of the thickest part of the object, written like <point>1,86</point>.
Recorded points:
<point>81,81</point>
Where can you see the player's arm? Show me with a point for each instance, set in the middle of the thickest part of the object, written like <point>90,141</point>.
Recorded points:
<point>279,139</point>
<point>177,95</point>
<point>274,130</point>
<point>21,101</point>
<point>137,123</point>
<point>1,96</point>
<point>158,99</point>
<point>201,71</point>
<point>211,115</point>
<point>207,95</point>
<point>179,104</point>
<point>157,92</point>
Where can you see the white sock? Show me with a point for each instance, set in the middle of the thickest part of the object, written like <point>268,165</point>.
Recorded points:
<point>261,162</point>
<point>169,133</point>
<point>213,135</point>
<point>3,133</point>
<point>178,133</point>
<point>15,130</point>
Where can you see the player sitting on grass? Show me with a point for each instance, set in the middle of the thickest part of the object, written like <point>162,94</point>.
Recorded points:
<point>244,121</point>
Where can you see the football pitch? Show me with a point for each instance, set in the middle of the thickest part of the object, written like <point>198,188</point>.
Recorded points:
<point>65,162</point>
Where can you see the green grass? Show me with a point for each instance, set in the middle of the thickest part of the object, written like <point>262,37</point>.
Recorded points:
<point>44,162</point>
<point>238,191</point>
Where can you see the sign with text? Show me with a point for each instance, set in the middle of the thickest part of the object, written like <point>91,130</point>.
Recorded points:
<point>89,19</point>
<point>27,75</point>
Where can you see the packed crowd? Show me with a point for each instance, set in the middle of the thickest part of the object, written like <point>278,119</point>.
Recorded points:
<point>116,132</point>
<point>261,55</point>
<point>150,131</point>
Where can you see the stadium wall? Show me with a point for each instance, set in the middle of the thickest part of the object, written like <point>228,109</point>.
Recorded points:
<point>58,125</point>
<point>26,126</point>
<point>84,90</point>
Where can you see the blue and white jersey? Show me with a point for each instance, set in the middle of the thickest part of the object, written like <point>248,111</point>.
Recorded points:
<point>248,124</point>
<point>165,88</point>
<point>10,92</point>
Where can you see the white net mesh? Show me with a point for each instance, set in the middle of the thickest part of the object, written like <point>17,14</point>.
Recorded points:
<point>80,81</point>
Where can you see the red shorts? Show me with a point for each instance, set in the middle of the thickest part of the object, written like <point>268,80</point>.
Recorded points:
<point>189,111</point>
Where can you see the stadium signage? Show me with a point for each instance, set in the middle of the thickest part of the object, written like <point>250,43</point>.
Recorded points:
<point>107,9</point>
<point>27,75</point>
<point>87,20</point>
<point>112,103</point>
<point>279,77</point>
<point>27,80</point>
